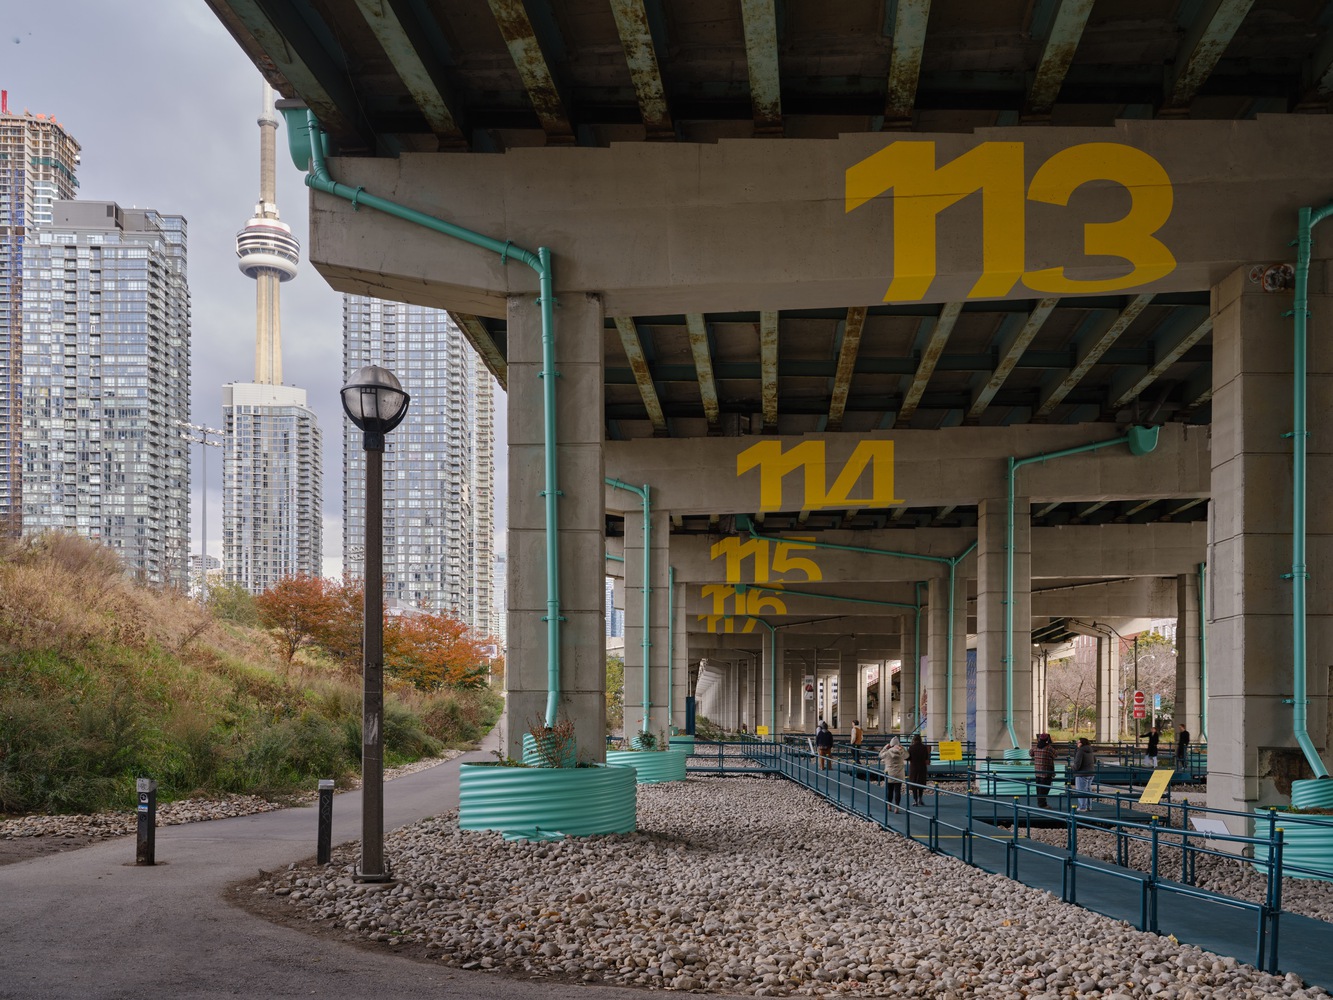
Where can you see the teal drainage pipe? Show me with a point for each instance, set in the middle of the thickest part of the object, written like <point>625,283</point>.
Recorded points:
<point>671,640</point>
<point>1141,440</point>
<point>308,144</point>
<point>1203,656</point>
<point>643,495</point>
<point>611,558</point>
<point>772,673</point>
<point>1308,219</point>
<point>950,561</point>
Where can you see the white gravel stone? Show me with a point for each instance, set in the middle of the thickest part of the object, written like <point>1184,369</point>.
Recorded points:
<point>751,886</point>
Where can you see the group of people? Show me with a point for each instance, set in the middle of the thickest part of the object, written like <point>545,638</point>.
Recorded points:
<point>912,765</point>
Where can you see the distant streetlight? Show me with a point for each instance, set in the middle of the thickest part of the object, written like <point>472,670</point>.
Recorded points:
<point>374,400</point>
<point>202,437</point>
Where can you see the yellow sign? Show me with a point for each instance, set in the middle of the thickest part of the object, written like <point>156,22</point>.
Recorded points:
<point>922,190</point>
<point>761,730</point>
<point>872,459</point>
<point>951,750</point>
<point>1152,792</point>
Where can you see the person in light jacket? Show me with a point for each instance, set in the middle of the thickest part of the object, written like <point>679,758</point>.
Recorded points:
<point>893,758</point>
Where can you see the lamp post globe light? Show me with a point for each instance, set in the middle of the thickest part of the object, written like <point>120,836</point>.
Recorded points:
<point>374,400</point>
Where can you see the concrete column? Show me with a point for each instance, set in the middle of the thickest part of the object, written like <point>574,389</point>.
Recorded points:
<point>657,628</point>
<point>1040,720</point>
<point>1110,710</point>
<point>906,678</point>
<point>850,706</point>
<point>1253,755</point>
<point>579,433</point>
<point>993,737</point>
<point>1189,677</point>
<point>680,664</point>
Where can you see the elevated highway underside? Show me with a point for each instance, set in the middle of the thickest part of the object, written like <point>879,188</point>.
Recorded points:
<point>825,274</point>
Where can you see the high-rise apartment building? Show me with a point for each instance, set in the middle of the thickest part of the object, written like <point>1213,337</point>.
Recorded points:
<point>38,160</point>
<point>272,462</point>
<point>438,464</point>
<point>106,383</point>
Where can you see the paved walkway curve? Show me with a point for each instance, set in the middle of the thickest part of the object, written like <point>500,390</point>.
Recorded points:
<point>90,924</point>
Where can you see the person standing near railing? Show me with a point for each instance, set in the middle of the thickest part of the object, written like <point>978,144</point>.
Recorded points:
<point>893,759</point>
<point>858,734</point>
<point>1182,747</point>
<point>1083,767</point>
<point>1150,755</point>
<point>824,745</point>
<point>1043,767</point>
<point>918,768</point>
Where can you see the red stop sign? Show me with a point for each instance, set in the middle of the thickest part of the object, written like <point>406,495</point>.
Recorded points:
<point>1139,698</point>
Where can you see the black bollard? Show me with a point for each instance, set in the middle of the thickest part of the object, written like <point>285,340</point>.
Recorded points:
<point>324,841</point>
<point>145,848</point>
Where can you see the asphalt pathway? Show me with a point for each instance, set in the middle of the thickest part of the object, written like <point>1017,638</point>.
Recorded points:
<point>91,924</point>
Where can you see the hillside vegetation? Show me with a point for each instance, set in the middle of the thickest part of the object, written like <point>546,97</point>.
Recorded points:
<point>103,680</point>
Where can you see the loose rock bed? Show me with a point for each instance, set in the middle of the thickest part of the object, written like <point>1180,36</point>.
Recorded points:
<point>747,886</point>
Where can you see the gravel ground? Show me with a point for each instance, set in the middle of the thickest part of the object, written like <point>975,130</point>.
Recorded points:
<point>745,886</point>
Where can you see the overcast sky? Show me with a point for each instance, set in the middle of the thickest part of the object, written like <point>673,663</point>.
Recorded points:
<point>164,103</point>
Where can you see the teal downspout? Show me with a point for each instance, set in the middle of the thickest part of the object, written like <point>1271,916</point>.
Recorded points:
<point>643,495</point>
<point>611,558</point>
<point>318,178</point>
<point>1141,440</point>
<point>1308,219</point>
<point>950,561</point>
<point>772,673</point>
<point>671,638</point>
<point>1203,656</point>
<point>916,652</point>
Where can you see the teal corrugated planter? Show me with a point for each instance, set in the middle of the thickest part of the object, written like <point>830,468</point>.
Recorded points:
<point>652,765</point>
<point>685,743</point>
<point>1306,845</point>
<point>577,801</point>
<point>533,759</point>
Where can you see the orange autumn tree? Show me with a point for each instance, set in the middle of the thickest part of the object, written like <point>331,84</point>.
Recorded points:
<point>433,650</point>
<point>295,611</point>
<point>341,633</point>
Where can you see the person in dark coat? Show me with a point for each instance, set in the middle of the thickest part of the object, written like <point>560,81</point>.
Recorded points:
<point>1083,767</point>
<point>1150,755</point>
<point>824,745</point>
<point>918,768</point>
<point>1182,745</point>
<point>1043,767</point>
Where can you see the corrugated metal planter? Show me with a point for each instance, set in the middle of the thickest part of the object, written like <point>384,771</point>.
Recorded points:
<point>532,758</point>
<point>577,801</point>
<point>652,766</point>
<point>1007,780</point>
<point>1304,845</point>
<point>683,742</point>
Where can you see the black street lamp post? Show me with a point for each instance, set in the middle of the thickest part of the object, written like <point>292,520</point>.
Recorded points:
<point>376,403</point>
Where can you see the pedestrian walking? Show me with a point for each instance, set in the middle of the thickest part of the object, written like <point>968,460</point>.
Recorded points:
<point>918,768</point>
<point>1043,767</point>
<point>1182,747</point>
<point>1150,755</point>
<point>893,758</point>
<point>824,745</point>
<point>858,734</point>
<point>1083,767</point>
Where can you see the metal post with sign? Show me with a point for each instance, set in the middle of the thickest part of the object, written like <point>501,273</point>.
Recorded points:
<point>145,845</point>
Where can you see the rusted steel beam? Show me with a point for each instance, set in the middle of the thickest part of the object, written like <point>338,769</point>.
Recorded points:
<point>842,381</point>
<point>1089,354</point>
<point>703,366</point>
<point>1185,333</point>
<point>474,330</point>
<point>516,26</point>
<point>638,362</point>
<point>909,42</point>
<point>418,68</point>
<point>1205,41</point>
<point>1057,53</point>
<point>761,55</point>
<point>768,368</point>
<point>930,356</point>
<point>1011,349</point>
<point>636,38</point>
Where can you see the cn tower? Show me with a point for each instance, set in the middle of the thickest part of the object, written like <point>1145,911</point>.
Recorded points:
<point>267,252</point>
